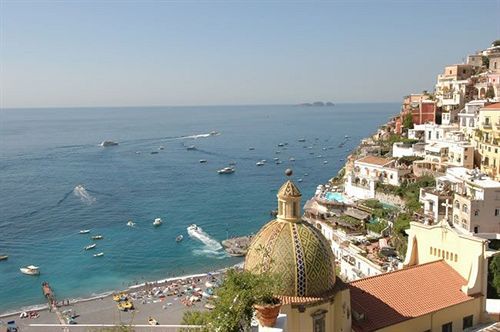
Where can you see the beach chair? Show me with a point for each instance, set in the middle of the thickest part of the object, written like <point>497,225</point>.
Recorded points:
<point>12,326</point>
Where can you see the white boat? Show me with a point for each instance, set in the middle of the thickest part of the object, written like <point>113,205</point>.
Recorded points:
<point>214,133</point>
<point>161,147</point>
<point>99,254</point>
<point>259,163</point>
<point>130,223</point>
<point>97,237</point>
<point>299,180</point>
<point>276,159</point>
<point>30,270</point>
<point>191,147</point>
<point>108,143</point>
<point>292,159</point>
<point>179,238</point>
<point>84,231</point>
<point>325,162</point>
<point>157,222</point>
<point>193,227</point>
<point>302,139</point>
<point>90,246</point>
<point>226,170</point>
<point>202,161</point>
<point>278,162</point>
<point>281,144</point>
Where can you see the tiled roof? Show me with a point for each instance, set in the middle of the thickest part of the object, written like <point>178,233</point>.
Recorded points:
<point>297,300</point>
<point>394,297</point>
<point>493,106</point>
<point>374,160</point>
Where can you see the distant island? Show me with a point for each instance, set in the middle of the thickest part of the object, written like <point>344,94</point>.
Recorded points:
<point>318,103</point>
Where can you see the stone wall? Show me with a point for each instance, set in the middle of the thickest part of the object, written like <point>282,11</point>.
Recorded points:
<point>390,199</point>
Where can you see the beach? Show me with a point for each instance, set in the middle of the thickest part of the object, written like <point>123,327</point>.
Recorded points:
<point>164,300</point>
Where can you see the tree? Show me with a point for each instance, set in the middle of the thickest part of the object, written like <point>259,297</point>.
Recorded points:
<point>236,296</point>
<point>408,121</point>
<point>490,93</point>
<point>494,277</point>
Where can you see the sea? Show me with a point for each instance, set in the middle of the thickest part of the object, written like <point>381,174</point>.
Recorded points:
<point>56,180</point>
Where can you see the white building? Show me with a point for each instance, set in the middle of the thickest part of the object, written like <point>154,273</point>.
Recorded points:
<point>469,116</point>
<point>369,171</point>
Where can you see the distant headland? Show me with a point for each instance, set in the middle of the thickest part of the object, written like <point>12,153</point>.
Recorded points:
<point>318,104</point>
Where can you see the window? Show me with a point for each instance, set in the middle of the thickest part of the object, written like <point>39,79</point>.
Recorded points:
<point>476,229</point>
<point>456,257</point>
<point>295,212</point>
<point>448,327</point>
<point>319,320</point>
<point>464,208</point>
<point>497,212</point>
<point>476,213</point>
<point>457,204</point>
<point>467,322</point>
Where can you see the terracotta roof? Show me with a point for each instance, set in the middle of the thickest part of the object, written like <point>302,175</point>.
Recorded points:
<point>310,300</point>
<point>374,160</point>
<point>493,106</point>
<point>394,297</point>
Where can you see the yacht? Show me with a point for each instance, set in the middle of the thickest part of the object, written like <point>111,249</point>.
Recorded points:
<point>281,144</point>
<point>202,161</point>
<point>84,231</point>
<point>99,254</point>
<point>30,270</point>
<point>130,223</point>
<point>90,246</point>
<point>97,237</point>
<point>179,238</point>
<point>259,163</point>
<point>108,143</point>
<point>191,147</point>
<point>226,170</point>
<point>157,222</point>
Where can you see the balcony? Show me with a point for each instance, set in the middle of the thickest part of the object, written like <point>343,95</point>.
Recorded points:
<point>486,125</point>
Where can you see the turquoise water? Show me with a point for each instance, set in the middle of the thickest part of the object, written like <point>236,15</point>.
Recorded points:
<point>47,153</point>
<point>335,197</point>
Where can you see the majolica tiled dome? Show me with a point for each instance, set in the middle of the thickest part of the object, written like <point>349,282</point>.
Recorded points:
<point>293,249</point>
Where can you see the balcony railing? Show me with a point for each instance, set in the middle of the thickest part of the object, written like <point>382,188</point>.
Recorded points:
<point>486,125</point>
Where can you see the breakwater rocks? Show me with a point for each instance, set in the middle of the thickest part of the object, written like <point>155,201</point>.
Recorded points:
<point>237,246</point>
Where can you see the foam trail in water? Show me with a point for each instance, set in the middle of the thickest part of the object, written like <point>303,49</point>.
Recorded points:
<point>196,136</point>
<point>84,196</point>
<point>212,247</point>
<point>64,198</point>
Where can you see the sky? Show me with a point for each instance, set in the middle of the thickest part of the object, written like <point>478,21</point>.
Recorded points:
<point>151,53</point>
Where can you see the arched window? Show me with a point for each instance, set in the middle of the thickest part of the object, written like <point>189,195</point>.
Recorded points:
<point>455,219</point>
<point>457,204</point>
<point>465,208</point>
<point>435,251</point>
<point>295,210</point>
<point>456,257</point>
<point>431,250</point>
<point>447,255</point>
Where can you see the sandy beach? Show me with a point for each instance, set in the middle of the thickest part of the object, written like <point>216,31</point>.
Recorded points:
<point>164,300</point>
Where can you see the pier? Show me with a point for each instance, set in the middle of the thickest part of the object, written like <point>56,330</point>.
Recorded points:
<point>237,246</point>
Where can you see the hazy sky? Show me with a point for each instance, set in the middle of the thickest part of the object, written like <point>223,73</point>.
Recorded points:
<point>103,53</point>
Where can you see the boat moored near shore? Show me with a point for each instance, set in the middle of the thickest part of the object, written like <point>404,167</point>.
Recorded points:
<point>30,270</point>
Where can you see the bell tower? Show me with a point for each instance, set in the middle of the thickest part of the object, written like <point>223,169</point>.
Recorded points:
<point>289,201</point>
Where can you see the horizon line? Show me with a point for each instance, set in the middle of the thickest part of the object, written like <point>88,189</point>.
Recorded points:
<point>194,105</point>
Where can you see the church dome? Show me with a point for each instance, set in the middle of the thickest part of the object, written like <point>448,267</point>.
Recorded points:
<point>293,249</point>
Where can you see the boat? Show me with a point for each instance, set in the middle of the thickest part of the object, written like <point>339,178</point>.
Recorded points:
<point>325,162</point>
<point>277,152</point>
<point>30,270</point>
<point>302,139</point>
<point>99,254</point>
<point>251,148</point>
<point>97,237</point>
<point>90,246</point>
<point>276,159</point>
<point>3,257</point>
<point>108,143</point>
<point>161,147</point>
<point>191,147</point>
<point>259,163</point>
<point>277,162</point>
<point>202,161</point>
<point>154,152</point>
<point>226,170</point>
<point>281,144</point>
<point>306,174</point>
<point>84,231</point>
<point>299,180</point>
<point>346,136</point>
<point>214,133</point>
<point>152,321</point>
<point>157,222</point>
<point>130,223</point>
<point>292,159</point>
<point>193,227</point>
<point>179,238</point>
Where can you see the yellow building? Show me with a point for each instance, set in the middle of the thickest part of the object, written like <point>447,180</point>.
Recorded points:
<point>487,140</point>
<point>441,288</point>
<point>313,299</point>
